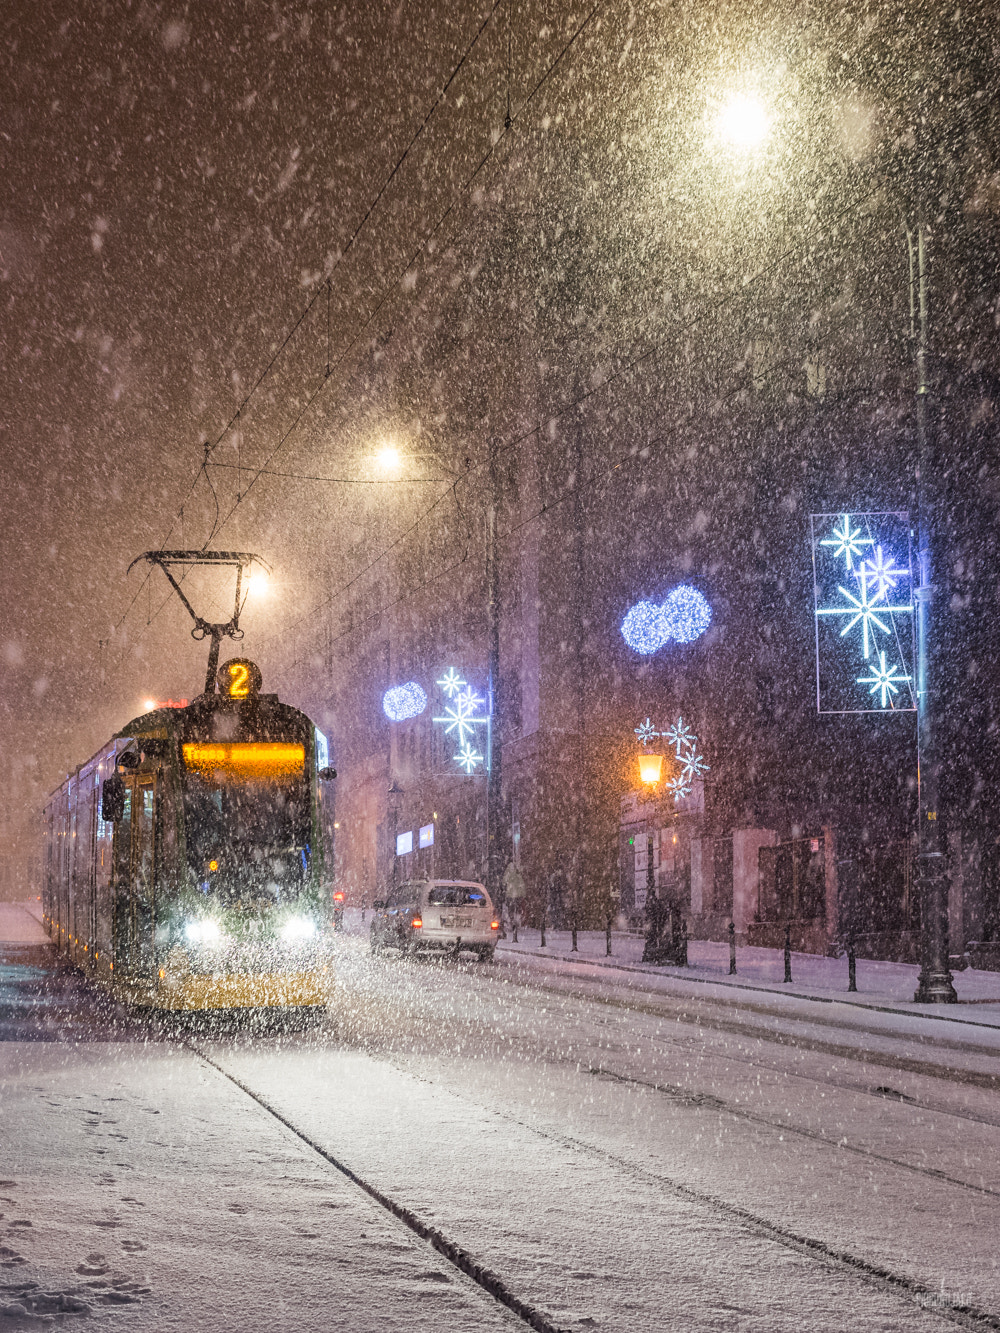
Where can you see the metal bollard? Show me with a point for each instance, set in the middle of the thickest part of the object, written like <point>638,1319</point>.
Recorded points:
<point>732,948</point>
<point>788,953</point>
<point>607,940</point>
<point>852,967</point>
<point>574,948</point>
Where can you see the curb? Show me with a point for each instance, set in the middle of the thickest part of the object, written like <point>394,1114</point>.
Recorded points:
<point>890,1007</point>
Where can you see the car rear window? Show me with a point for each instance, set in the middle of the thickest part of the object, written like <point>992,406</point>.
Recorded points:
<point>455,895</point>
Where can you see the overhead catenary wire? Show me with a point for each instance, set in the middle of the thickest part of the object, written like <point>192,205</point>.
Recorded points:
<point>392,286</point>
<point>577,401</point>
<point>630,365</point>
<point>487,156</point>
<point>309,305</point>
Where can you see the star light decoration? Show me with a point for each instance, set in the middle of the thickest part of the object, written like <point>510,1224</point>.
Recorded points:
<point>866,607</point>
<point>884,679</point>
<point>460,719</point>
<point>685,746</point>
<point>848,541</point>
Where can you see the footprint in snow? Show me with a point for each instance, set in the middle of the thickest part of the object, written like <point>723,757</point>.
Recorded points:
<point>94,1265</point>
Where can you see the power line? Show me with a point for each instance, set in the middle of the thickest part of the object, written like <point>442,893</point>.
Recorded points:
<point>309,305</point>
<point>583,398</point>
<point>390,287</point>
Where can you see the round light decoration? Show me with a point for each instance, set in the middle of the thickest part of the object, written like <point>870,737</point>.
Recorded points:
<point>404,701</point>
<point>645,628</point>
<point>683,617</point>
<point>687,613</point>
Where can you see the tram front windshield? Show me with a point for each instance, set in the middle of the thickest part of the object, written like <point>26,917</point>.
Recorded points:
<point>247,819</point>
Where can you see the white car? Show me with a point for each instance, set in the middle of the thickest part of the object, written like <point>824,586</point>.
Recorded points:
<point>440,914</point>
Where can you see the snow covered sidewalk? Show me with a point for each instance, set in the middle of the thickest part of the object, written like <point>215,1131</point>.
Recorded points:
<point>881,985</point>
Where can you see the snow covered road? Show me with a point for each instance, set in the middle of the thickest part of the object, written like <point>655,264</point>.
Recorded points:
<point>620,1156</point>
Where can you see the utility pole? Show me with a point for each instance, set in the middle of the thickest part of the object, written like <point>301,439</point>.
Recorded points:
<point>494,758</point>
<point>935,985</point>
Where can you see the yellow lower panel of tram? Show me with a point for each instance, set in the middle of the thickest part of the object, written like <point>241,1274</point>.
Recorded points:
<point>242,990</point>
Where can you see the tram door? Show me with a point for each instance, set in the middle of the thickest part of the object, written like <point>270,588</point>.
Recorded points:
<point>135,868</point>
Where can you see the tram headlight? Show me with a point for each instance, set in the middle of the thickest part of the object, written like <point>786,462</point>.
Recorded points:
<point>203,932</point>
<point>297,929</point>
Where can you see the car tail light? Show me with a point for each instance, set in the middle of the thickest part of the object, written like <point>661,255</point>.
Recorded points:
<point>494,925</point>
<point>417,923</point>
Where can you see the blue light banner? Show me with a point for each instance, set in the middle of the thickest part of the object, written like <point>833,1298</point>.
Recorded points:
<point>864,613</point>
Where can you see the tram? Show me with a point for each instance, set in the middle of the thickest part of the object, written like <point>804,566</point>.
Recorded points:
<point>184,862</point>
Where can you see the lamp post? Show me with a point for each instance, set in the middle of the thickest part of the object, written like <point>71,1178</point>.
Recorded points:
<point>494,758</point>
<point>743,125</point>
<point>935,984</point>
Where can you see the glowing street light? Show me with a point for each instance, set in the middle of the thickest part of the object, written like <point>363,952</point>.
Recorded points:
<point>258,583</point>
<point>650,768</point>
<point>743,122</point>
<point>388,458</point>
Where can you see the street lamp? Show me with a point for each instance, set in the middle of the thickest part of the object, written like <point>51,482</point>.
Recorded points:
<point>935,985</point>
<point>650,768</point>
<point>388,457</point>
<point>743,122</point>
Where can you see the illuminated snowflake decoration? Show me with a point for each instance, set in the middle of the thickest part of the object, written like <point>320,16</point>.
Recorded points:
<point>864,612</point>
<point>847,541</point>
<point>468,758</point>
<point>460,717</point>
<point>646,732</point>
<point>680,736</point>
<point>464,712</point>
<point>694,766</point>
<point>883,572</point>
<point>451,682</point>
<point>691,765</point>
<point>885,680</point>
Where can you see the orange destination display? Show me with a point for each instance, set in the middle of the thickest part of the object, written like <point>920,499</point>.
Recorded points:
<point>258,761</point>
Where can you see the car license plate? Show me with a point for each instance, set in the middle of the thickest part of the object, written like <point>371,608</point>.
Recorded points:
<point>463,922</point>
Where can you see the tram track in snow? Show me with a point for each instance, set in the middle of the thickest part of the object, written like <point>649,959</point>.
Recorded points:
<point>457,1255</point>
<point>709,1102</point>
<point>788,1040</point>
<point>496,1286</point>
